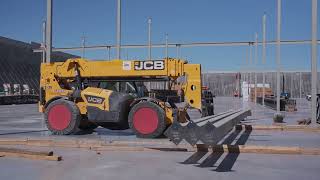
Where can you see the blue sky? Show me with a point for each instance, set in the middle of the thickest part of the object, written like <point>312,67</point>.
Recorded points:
<point>184,21</point>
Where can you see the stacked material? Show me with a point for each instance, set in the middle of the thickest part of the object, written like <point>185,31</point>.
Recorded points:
<point>19,99</point>
<point>209,130</point>
<point>268,92</point>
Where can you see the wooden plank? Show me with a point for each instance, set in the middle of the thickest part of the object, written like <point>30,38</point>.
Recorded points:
<point>81,143</point>
<point>10,141</point>
<point>140,148</point>
<point>303,128</point>
<point>168,146</point>
<point>41,155</point>
<point>265,149</point>
<point>121,148</point>
<point>140,143</point>
<point>31,156</point>
<point>24,151</point>
<point>40,142</point>
<point>221,148</point>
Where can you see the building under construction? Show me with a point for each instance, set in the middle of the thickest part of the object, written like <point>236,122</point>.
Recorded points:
<point>19,69</point>
<point>20,66</point>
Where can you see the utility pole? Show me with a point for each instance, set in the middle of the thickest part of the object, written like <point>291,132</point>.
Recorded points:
<point>166,45</point>
<point>119,30</point>
<point>300,85</point>
<point>178,46</point>
<point>250,67</point>
<point>278,54</point>
<point>247,64</point>
<point>43,44</point>
<point>83,43</point>
<point>149,45</point>
<point>314,63</point>
<point>149,38</point>
<point>109,53</point>
<point>49,31</point>
<point>127,54</point>
<point>263,56</point>
<point>255,67</point>
<point>291,84</point>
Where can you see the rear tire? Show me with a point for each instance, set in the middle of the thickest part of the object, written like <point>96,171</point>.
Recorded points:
<point>62,117</point>
<point>147,120</point>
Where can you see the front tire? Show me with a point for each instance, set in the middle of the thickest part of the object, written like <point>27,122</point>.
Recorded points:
<point>62,117</point>
<point>147,120</point>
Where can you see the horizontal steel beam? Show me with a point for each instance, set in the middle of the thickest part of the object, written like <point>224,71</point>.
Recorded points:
<point>188,131</point>
<point>212,133</point>
<point>191,132</point>
<point>209,130</point>
<point>172,45</point>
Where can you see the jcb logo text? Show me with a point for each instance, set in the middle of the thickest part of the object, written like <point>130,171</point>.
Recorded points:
<point>149,65</point>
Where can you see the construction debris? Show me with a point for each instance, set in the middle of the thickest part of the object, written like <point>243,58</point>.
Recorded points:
<point>304,121</point>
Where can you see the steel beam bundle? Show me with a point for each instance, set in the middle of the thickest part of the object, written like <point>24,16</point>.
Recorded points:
<point>209,130</point>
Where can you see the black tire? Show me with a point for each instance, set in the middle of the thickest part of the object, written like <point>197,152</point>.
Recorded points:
<point>74,122</point>
<point>161,125</point>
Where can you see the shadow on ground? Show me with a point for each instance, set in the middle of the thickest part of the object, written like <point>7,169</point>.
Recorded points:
<point>228,161</point>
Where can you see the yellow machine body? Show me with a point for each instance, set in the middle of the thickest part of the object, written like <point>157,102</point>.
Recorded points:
<point>173,68</point>
<point>100,103</point>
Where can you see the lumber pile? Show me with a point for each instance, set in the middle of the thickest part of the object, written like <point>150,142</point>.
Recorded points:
<point>253,96</point>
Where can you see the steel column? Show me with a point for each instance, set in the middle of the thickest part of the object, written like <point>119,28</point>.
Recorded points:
<point>109,53</point>
<point>178,51</point>
<point>49,31</point>
<point>291,84</point>
<point>44,41</point>
<point>166,46</point>
<point>278,53</point>
<point>250,67</point>
<point>83,43</point>
<point>263,55</point>
<point>255,67</point>
<point>314,71</point>
<point>119,29</point>
<point>149,38</point>
<point>300,85</point>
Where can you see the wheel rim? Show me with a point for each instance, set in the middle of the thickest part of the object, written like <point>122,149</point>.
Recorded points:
<point>59,117</point>
<point>145,120</point>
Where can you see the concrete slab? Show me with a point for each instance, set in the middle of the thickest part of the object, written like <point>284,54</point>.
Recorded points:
<point>84,164</point>
<point>25,121</point>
